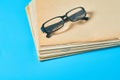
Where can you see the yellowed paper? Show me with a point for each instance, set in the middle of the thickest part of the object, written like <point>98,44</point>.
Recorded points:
<point>50,53</point>
<point>104,23</point>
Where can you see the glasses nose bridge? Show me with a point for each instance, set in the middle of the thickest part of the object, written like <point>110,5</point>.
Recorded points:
<point>65,18</point>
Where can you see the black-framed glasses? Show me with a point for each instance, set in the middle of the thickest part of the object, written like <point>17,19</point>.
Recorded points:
<point>57,23</point>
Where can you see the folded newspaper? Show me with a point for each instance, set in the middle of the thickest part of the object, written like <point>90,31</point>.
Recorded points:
<point>102,30</point>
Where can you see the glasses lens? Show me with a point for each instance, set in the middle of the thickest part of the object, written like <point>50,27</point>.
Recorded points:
<point>54,24</point>
<point>76,14</point>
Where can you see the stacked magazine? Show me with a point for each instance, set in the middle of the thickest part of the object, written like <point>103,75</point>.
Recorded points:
<point>102,30</point>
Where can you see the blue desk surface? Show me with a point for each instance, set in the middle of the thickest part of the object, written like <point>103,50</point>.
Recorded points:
<point>18,58</point>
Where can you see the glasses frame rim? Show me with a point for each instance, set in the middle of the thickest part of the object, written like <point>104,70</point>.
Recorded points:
<point>63,21</point>
<point>50,20</point>
<point>74,9</point>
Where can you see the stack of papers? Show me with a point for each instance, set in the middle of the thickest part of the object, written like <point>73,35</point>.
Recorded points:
<point>102,30</point>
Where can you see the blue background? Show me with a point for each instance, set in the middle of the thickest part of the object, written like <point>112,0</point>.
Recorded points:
<point>18,58</point>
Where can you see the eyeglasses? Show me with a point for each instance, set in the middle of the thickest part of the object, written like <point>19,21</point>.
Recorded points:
<point>57,23</point>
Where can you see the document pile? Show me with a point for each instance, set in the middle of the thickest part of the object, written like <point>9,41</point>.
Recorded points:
<point>71,34</point>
